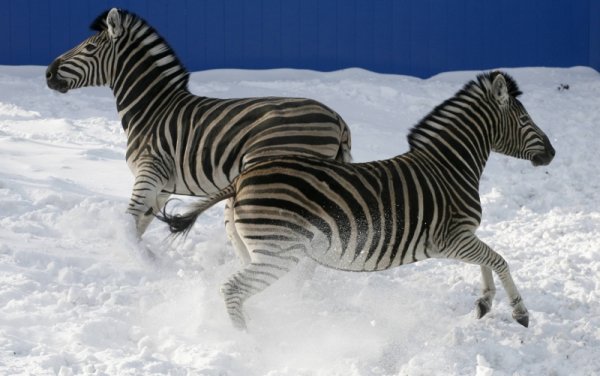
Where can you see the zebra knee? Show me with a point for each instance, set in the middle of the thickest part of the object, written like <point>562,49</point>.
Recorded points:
<point>231,288</point>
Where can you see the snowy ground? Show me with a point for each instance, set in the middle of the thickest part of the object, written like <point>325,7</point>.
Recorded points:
<point>80,296</point>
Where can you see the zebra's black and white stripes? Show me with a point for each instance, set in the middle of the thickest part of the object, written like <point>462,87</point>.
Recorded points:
<point>178,142</point>
<point>373,216</point>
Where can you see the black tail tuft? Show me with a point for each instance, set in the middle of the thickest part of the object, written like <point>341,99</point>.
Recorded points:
<point>183,223</point>
<point>178,224</point>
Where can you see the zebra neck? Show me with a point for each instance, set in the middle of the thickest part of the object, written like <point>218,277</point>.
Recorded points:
<point>462,149</point>
<point>139,97</point>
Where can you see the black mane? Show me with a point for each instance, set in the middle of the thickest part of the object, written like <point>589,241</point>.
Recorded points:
<point>483,83</point>
<point>99,24</point>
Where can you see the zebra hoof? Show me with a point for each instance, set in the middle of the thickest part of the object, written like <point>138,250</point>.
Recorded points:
<point>522,318</point>
<point>482,307</point>
<point>239,324</point>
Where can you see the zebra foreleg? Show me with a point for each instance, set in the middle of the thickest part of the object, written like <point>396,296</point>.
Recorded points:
<point>472,250</point>
<point>266,268</point>
<point>143,212</point>
<point>146,200</point>
<point>233,235</point>
<point>484,304</point>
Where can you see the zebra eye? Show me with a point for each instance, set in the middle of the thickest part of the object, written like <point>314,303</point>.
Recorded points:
<point>90,47</point>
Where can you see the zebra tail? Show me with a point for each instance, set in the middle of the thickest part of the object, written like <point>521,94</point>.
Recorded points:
<point>343,154</point>
<point>182,223</point>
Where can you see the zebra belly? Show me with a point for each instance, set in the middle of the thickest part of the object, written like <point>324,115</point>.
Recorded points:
<point>275,231</point>
<point>334,256</point>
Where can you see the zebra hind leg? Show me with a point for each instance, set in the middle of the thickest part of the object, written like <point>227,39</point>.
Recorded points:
<point>234,237</point>
<point>266,268</point>
<point>484,304</point>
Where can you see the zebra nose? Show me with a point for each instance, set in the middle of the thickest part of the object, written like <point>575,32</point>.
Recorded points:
<point>52,69</point>
<point>549,148</point>
<point>544,158</point>
<point>551,151</point>
<point>53,79</point>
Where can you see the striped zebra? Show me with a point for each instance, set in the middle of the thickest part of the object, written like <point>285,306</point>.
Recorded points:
<point>374,216</point>
<point>180,143</point>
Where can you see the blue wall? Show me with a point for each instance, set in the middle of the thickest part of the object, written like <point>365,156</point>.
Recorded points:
<point>416,37</point>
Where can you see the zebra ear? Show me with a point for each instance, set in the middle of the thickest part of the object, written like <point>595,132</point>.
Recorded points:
<point>499,89</point>
<point>114,23</point>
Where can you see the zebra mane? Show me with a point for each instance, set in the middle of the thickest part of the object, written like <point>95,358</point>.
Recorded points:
<point>474,88</point>
<point>160,47</point>
<point>99,24</point>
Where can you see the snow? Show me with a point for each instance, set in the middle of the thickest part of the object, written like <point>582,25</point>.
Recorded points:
<point>79,295</point>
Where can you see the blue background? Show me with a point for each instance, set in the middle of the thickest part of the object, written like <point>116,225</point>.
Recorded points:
<point>415,37</point>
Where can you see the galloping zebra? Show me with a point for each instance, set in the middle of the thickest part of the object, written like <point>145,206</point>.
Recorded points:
<point>374,216</point>
<point>178,142</point>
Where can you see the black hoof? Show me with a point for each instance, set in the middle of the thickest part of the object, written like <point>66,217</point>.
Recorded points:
<point>482,307</point>
<point>522,319</point>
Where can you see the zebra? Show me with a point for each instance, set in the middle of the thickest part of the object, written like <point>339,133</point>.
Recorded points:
<point>373,216</point>
<point>180,143</point>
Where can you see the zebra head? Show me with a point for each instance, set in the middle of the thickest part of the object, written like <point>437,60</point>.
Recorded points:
<point>123,43</point>
<point>515,134</point>
<point>88,63</point>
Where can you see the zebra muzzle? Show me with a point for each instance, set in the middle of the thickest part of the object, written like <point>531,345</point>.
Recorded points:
<point>543,159</point>
<point>53,80</point>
